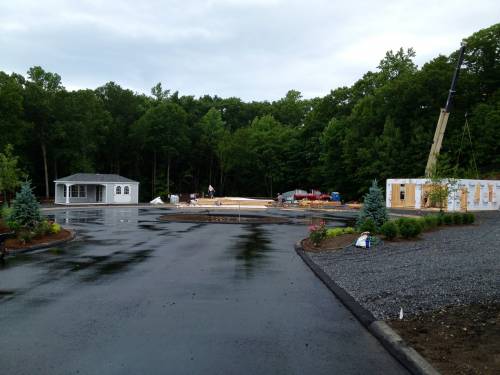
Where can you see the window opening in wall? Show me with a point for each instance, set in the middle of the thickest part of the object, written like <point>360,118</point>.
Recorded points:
<point>118,190</point>
<point>126,190</point>
<point>78,191</point>
<point>402,192</point>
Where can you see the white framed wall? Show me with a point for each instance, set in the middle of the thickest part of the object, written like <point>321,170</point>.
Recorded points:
<point>465,194</point>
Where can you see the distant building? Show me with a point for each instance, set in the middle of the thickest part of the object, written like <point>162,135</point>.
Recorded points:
<point>472,195</point>
<point>92,188</point>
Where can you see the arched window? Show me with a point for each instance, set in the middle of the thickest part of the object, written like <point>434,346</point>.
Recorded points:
<point>118,190</point>
<point>126,190</point>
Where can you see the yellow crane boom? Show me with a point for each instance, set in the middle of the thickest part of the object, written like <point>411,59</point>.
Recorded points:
<point>443,118</point>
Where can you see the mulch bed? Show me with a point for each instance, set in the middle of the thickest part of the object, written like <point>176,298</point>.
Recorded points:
<point>458,339</point>
<point>15,244</point>
<point>330,244</point>
<point>224,219</point>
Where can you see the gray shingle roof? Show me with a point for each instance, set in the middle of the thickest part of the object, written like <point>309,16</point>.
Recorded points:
<point>94,177</point>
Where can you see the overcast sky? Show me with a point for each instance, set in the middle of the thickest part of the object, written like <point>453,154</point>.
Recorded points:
<point>252,49</point>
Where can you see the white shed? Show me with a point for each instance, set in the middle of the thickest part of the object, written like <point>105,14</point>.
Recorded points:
<point>463,194</point>
<point>95,188</point>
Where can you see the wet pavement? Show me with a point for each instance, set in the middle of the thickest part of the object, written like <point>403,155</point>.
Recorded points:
<point>132,295</point>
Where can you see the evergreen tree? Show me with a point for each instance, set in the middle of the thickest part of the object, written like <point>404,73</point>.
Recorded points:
<point>373,207</point>
<point>25,209</point>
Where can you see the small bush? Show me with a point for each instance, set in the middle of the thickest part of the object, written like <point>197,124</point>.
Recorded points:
<point>431,221</point>
<point>25,236</point>
<point>468,218</point>
<point>368,225</point>
<point>421,222</point>
<point>317,233</point>
<point>440,219</point>
<point>457,218</point>
<point>43,228</point>
<point>6,211</point>
<point>472,218</point>
<point>349,230</point>
<point>448,219</point>
<point>334,232</point>
<point>409,227</point>
<point>55,228</point>
<point>389,229</point>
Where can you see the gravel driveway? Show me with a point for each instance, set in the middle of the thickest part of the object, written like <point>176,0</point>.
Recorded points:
<point>450,266</point>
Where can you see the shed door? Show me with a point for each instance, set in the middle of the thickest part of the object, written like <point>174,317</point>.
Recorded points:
<point>122,194</point>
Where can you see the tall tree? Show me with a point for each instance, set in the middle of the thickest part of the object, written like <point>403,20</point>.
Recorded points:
<point>213,131</point>
<point>40,92</point>
<point>163,129</point>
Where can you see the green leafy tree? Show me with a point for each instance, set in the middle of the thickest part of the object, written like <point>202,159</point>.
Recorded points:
<point>373,207</point>
<point>163,129</point>
<point>10,174</point>
<point>213,132</point>
<point>40,91</point>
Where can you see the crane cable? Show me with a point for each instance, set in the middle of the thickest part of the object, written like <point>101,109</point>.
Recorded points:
<point>467,127</point>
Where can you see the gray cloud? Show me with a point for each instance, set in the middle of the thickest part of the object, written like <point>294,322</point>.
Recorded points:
<point>253,49</point>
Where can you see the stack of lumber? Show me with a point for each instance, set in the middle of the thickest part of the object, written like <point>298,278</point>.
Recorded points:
<point>230,201</point>
<point>317,204</point>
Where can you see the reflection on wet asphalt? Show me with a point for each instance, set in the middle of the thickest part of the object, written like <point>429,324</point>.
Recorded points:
<point>134,295</point>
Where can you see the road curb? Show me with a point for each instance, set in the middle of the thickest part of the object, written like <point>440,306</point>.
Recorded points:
<point>391,341</point>
<point>44,245</point>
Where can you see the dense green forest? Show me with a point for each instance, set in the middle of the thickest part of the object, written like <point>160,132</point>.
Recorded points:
<point>380,127</point>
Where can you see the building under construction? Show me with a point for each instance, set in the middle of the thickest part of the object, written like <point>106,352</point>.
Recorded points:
<point>454,195</point>
<point>462,194</point>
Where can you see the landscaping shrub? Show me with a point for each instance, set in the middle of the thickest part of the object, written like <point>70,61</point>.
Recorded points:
<point>457,218</point>
<point>5,211</point>
<point>373,208</point>
<point>368,225</point>
<point>421,222</point>
<point>468,218</point>
<point>25,235</point>
<point>317,233</point>
<point>447,219</point>
<point>43,228</point>
<point>55,228</point>
<point>472,218</point>
<point>389,229</point>
<point>349,230</point>
<point>334,232</point>
<point>25,212</point>
<point>431,221</point>
<point>440,219</point>
<point>409,227</point>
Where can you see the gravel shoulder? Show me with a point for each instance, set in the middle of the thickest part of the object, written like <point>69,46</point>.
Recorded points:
<point>450,266</point>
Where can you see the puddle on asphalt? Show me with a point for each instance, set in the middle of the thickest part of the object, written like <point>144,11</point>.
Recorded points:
<point>250,250</point>
<point>5,294</point>
<point>93,267</point>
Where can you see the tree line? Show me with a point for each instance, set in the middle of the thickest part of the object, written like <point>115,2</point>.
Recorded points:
<point>380,127</point>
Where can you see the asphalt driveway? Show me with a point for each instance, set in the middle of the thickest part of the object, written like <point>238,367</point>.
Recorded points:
<point>132,295</point>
